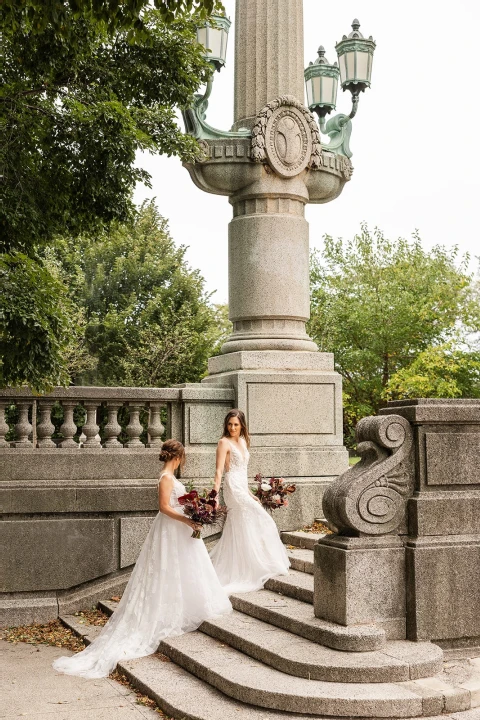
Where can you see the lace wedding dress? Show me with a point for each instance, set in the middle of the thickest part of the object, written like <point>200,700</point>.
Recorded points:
<point>250,550</point>
<point>172,590</point>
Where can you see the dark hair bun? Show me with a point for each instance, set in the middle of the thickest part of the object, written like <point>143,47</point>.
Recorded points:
<point>171,449</point>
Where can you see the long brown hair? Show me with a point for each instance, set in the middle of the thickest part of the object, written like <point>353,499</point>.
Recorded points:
<point>243,425</point>
<point>172,449</point>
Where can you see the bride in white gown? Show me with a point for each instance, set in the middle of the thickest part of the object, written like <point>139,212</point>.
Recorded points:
<point>250,550</point>
<point>172,589</point>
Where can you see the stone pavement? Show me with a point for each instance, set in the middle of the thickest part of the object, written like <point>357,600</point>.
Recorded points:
<point>30,688</point>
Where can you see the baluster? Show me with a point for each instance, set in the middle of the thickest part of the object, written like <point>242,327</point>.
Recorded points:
<point>23,428</point>
<point>45,427</point>
<point>134,427</point>
<point>3,425</point>
<point>91,428</point>
<point>68,427</point>
<point>113,428</point>
<point>155,428</point>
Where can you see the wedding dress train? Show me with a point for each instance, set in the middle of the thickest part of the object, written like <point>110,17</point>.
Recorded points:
<point>172,590</point>
<point>250,550</point>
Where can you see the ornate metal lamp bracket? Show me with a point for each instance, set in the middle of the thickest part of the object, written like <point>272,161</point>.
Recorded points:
<point>195,124</point>
<point>370,498</point>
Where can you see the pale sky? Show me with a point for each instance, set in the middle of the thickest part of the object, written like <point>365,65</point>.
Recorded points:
<point>415,139</point>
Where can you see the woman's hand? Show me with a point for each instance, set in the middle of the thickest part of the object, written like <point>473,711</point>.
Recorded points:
<point>192,524</point>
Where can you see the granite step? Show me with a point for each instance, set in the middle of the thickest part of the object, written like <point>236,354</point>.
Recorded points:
<point>301,560</point>
<point>298,585</point>
<point>301,539</point>
<point>398,662</point>
<point>183,696</point>
<point>297,617</point>
<point>249,681</point>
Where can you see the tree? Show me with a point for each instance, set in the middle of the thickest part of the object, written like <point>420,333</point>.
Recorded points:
<point>439,371</point>
<point>75,115</point>
<point>377,304</point>
<point>148,320</point>
<point>84,87</point>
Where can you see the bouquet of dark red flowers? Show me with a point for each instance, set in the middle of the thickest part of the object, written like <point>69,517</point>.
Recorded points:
<point>201,508</point>
<point>272,493</point>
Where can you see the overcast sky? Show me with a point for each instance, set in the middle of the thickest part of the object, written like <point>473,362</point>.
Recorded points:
<point>415,139</point>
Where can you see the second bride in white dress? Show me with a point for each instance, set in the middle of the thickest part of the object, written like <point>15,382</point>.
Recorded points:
<point>250,550</point>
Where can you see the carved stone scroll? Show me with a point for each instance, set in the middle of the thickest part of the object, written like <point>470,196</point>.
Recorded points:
<point>370,498</point>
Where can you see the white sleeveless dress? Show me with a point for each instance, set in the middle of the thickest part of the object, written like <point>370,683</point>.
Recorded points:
<point>250,550</point>
<point>172,590</point>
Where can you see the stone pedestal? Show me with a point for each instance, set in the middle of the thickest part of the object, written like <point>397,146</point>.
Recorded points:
<point>361,581</point>
<point>412,510</point>
<point>443,546</point>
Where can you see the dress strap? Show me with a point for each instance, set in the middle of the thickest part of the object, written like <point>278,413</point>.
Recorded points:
<point>168,475</point>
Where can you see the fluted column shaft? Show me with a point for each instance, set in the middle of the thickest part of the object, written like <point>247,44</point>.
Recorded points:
<point>268,54</point>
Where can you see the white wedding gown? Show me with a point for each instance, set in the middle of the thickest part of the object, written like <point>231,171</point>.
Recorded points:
<point>250,550</point>
<point>172,590</point>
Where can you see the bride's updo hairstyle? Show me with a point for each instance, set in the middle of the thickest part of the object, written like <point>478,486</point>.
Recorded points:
<point>243,425</point>
<point>172,449</point>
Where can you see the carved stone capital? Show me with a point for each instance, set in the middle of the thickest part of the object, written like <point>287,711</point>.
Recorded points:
<point>370,498</point>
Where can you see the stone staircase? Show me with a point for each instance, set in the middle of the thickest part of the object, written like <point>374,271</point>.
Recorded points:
<point>273,660</point>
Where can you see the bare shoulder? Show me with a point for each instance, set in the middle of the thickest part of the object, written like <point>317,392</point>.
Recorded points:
<point>165,480</point>
<point>223,443</point>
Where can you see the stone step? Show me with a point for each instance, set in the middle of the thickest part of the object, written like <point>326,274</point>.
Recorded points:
<point>298,585</point>
<point>183,696</point>
<point>301,539</point>
<point>398,662</point>
<point>297,617</point>
<point>301,560</point>
<point>249,681</point>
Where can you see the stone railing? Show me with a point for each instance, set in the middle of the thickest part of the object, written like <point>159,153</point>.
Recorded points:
<point>157,404</point>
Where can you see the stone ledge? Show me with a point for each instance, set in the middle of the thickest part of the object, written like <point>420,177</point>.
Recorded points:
<point>271,360</point>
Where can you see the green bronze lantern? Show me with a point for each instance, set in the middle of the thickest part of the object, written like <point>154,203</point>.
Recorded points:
<point>355,58</point>
<point>214,36</point>
<point>321,80</point>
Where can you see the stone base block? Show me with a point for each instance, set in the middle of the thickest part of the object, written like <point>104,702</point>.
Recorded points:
<point>51,554</point>
<point>361,581</point>
<point>443,577</point>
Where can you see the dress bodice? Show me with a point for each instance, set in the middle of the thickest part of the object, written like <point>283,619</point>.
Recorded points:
<point>239,457</point>
<point>177,491</point>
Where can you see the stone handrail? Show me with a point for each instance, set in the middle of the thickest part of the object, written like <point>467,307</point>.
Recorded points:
<point>30,435</point>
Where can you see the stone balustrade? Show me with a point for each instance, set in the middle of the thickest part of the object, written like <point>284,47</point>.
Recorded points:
<point>34,428</point>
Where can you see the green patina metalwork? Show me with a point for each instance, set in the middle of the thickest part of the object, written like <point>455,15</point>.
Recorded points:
<point>338,129</point>
<point>195,124</point>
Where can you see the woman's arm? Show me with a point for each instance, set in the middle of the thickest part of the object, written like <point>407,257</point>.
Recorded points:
<point>164,492</point>
<point>222,450</point>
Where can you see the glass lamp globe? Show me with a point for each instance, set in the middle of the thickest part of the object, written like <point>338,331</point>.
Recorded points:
<point>321,81</point>
<point>355,57</point>
<point>214,36</point>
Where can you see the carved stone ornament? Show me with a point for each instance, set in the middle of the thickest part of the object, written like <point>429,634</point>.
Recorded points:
<point>286,136</point>
<point>370,498</point>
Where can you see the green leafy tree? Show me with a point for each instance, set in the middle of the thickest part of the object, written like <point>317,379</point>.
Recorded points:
<point>377,304</point>
<point>84,87</point>
<point>148,320</point>
<point>439,371</point>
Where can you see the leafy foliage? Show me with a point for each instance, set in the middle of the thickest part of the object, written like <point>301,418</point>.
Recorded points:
<point>35,323</point>
<point>439,371</point>
<point>112,14</point>
<point>74,116</point>
<point>85,85</point>
<point>147,316</point>
<point>378,304</point>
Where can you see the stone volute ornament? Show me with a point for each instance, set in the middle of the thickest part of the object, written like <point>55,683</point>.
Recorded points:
<point>285,135</point>
<point>370,498</point>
